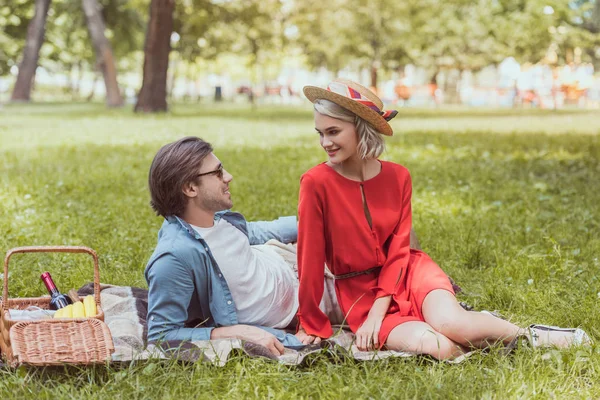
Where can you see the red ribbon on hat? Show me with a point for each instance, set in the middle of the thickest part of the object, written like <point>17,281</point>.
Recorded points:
<point>346,91</point>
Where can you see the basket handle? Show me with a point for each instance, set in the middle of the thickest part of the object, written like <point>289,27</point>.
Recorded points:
<point>52,249</point>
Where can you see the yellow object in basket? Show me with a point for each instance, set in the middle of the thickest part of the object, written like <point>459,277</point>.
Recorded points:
<point>59,313</point>
<point>78,310</point>
<point>90,306</point>
<point>68,313</point>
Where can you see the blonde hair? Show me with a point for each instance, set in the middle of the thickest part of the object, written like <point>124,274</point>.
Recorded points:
<point>370,141</point>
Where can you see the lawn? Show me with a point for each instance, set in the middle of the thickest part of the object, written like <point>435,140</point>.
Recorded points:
<point>505,201</point>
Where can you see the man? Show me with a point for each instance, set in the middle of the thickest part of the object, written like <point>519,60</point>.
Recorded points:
<point>213,275</point>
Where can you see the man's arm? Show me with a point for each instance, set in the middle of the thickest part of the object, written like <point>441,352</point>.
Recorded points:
<point>170,289</point>
<point>283,229</point>
<point>243,332</point>
<point>250,333</point>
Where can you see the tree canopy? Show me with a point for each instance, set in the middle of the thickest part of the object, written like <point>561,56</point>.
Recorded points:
<point>377,35</point>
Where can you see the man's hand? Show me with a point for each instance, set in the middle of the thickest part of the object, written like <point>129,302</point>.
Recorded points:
<point>251,334</point>
<point>305,338</point>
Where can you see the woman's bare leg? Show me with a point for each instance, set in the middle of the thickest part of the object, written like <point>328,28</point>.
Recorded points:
<point>419,337</point>
<point>445,315</point>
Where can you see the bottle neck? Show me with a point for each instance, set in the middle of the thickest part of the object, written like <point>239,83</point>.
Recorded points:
<point>49,283</point>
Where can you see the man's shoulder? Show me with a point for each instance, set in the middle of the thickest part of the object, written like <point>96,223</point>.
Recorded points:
<point>232,217</point>
<point>171,235</point>
<point>175,245</point>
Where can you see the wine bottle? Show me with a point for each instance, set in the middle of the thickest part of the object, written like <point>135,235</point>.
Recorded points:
<point>58,300</point>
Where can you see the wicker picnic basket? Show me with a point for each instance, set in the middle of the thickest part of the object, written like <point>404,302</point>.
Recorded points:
<point>53,341</point>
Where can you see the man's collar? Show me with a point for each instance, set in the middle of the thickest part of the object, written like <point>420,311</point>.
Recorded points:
<point>174,219</point>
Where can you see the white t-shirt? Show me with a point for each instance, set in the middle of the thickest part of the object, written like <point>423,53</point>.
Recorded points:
<point>263,286</point>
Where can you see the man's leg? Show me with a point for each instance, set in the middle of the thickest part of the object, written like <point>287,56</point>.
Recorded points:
<point>329,304</point>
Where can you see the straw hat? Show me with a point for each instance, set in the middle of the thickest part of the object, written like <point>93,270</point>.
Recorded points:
<point>356,98</point>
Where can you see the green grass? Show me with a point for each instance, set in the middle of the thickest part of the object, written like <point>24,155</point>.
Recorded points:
<point>505,201</point>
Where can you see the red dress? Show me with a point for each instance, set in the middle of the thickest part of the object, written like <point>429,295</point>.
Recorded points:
<point>334,229</point>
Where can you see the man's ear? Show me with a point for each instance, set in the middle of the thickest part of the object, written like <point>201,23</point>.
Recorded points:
<point>190,189</point>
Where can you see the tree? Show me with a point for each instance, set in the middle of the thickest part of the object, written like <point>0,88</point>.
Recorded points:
<point>67,47</point>
<point>371,33</point>
<point>255,29</point>
<point>104,55</point>
<point>317,31</point>
<point>14,19</point>
<point>35,38</point>
<point>586,24</point>
<point>153,94</point>
<point>456,36</point>
<point>5,41</point>
<point>251,29</point>
<point>381,33</point>
<point>200,24</point>
<point>594,25</point>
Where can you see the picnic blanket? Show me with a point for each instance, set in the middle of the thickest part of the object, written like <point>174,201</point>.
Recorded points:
<point>125,309</point>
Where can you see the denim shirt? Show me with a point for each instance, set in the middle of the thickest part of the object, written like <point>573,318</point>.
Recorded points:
<point>187,294</point>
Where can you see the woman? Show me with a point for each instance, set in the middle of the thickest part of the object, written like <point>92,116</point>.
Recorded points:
<point>355,216</point>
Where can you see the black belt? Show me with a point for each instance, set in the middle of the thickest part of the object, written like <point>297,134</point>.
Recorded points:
<point>358,273</point>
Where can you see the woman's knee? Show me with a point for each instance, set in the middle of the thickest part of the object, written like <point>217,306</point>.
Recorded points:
<point>451,323</point>
<point>437,345</point>
<point>420,338</point>
<point>443,313</point>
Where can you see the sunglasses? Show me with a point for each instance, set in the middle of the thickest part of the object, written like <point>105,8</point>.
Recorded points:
<point>218,172</point>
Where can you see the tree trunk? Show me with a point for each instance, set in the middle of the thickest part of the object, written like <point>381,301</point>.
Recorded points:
<point>90,97</point>
<point>71,88</point>
<point>374,76</point>
<point>104,55</point>
<point>452,76</point>
<point>153,94</point>
<point>77,82</point>
<point>596,18</point>
<point>254,76</point>
<point>31,52</point>
<point>171,82</point>
<point>433,87</point>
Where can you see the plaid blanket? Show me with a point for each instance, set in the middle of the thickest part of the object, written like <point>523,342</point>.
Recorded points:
<point>125,309</point>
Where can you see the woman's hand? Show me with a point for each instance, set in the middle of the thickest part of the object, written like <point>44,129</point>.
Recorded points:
<point>367,336</point>
<point>305,338</point>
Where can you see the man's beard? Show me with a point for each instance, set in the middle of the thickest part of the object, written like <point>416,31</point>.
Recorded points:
<point>215,204</point>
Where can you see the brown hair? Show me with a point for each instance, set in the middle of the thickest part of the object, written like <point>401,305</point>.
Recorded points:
<point>174,165</point>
